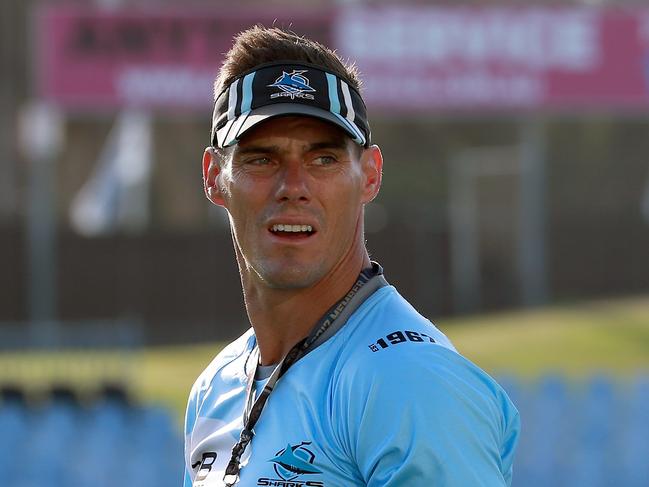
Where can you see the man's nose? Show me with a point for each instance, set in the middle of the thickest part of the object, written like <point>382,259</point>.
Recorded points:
<point>293,182</point>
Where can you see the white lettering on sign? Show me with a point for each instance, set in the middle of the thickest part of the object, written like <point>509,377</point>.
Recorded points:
<point>534,38</point>
<point>468,89</point>
<point>643,28</point>
<point>164,85</point>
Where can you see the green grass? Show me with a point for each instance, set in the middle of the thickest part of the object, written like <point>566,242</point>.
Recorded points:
<point>605,336</point>
<point>576,340</point>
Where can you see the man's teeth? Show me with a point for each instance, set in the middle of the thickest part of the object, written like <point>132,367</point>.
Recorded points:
<point>291,228</point>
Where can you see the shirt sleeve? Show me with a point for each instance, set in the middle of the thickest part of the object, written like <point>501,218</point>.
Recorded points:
<point>187,482</point>
<point>428,419</point>
<point>190,420</point>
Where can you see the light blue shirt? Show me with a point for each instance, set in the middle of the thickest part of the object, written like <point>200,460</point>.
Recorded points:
<point>387,401</point>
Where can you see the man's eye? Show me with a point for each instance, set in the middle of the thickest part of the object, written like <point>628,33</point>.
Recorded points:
<point>324,160</point>
<point>259,161</point>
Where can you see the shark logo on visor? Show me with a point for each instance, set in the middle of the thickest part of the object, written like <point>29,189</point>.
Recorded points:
<point>294,85</point>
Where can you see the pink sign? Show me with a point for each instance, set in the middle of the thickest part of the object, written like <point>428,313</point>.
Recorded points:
<point>484,58</point>
<point>155,57</point>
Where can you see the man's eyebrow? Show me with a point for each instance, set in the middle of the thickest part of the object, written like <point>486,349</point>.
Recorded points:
<point>256,149</point>
<point>340,144</point>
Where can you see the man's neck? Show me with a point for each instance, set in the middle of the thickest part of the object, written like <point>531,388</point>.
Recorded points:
<point>283,317</point>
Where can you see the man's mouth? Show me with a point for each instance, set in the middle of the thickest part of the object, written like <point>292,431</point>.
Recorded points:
<point>291,231</point>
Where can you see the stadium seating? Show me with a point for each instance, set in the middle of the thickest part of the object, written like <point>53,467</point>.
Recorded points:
<point>593,433</point>
<point>582,434</point>
<point>62,440</point>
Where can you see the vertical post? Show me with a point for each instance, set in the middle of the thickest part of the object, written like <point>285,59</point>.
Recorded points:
<point>41,134</point>
<point>8,33</point>
<point>531,249</point>
<point>465,245</point>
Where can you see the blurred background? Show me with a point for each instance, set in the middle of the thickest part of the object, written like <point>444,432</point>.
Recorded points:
<point>514,214</point>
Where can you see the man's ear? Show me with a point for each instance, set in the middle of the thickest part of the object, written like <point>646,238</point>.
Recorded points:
<point>211,171</point>
<point>372,164</point>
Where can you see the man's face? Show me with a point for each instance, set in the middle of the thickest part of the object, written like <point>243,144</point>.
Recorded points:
<point>294,188</point>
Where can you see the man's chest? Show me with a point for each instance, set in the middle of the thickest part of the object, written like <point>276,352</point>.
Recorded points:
<point>296,443</point>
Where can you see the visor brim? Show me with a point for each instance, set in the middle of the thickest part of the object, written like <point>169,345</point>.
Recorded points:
<point>231,132</point>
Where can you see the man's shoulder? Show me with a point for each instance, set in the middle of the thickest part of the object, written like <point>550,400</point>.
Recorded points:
<point>394,347</point>
<point>226,356</point>
<point>398,377</point>
<point>388,321</point>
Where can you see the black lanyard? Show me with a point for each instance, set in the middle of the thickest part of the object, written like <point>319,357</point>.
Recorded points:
<point>338,313</point>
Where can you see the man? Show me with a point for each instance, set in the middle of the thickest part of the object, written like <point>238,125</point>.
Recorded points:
<point>339,382</point>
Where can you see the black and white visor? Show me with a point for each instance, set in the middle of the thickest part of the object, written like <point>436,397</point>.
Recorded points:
<point>287,88</point>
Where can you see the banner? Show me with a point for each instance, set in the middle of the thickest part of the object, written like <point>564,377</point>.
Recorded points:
<point>413,58</point>
<point>89,59</point>
<point>480,59</point>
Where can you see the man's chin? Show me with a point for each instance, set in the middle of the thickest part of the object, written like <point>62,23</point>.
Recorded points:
<point>289,276</point>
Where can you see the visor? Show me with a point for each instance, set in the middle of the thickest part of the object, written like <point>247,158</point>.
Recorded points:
<point>287,88</point>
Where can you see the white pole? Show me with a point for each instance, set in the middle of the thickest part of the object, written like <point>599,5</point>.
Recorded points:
<point>41,139</point>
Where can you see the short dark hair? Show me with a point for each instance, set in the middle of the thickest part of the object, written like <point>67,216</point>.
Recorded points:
<point>260,45</point>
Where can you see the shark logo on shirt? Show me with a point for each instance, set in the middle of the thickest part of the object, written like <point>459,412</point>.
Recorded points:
<point>288,460</point>
<point>291,463</point>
